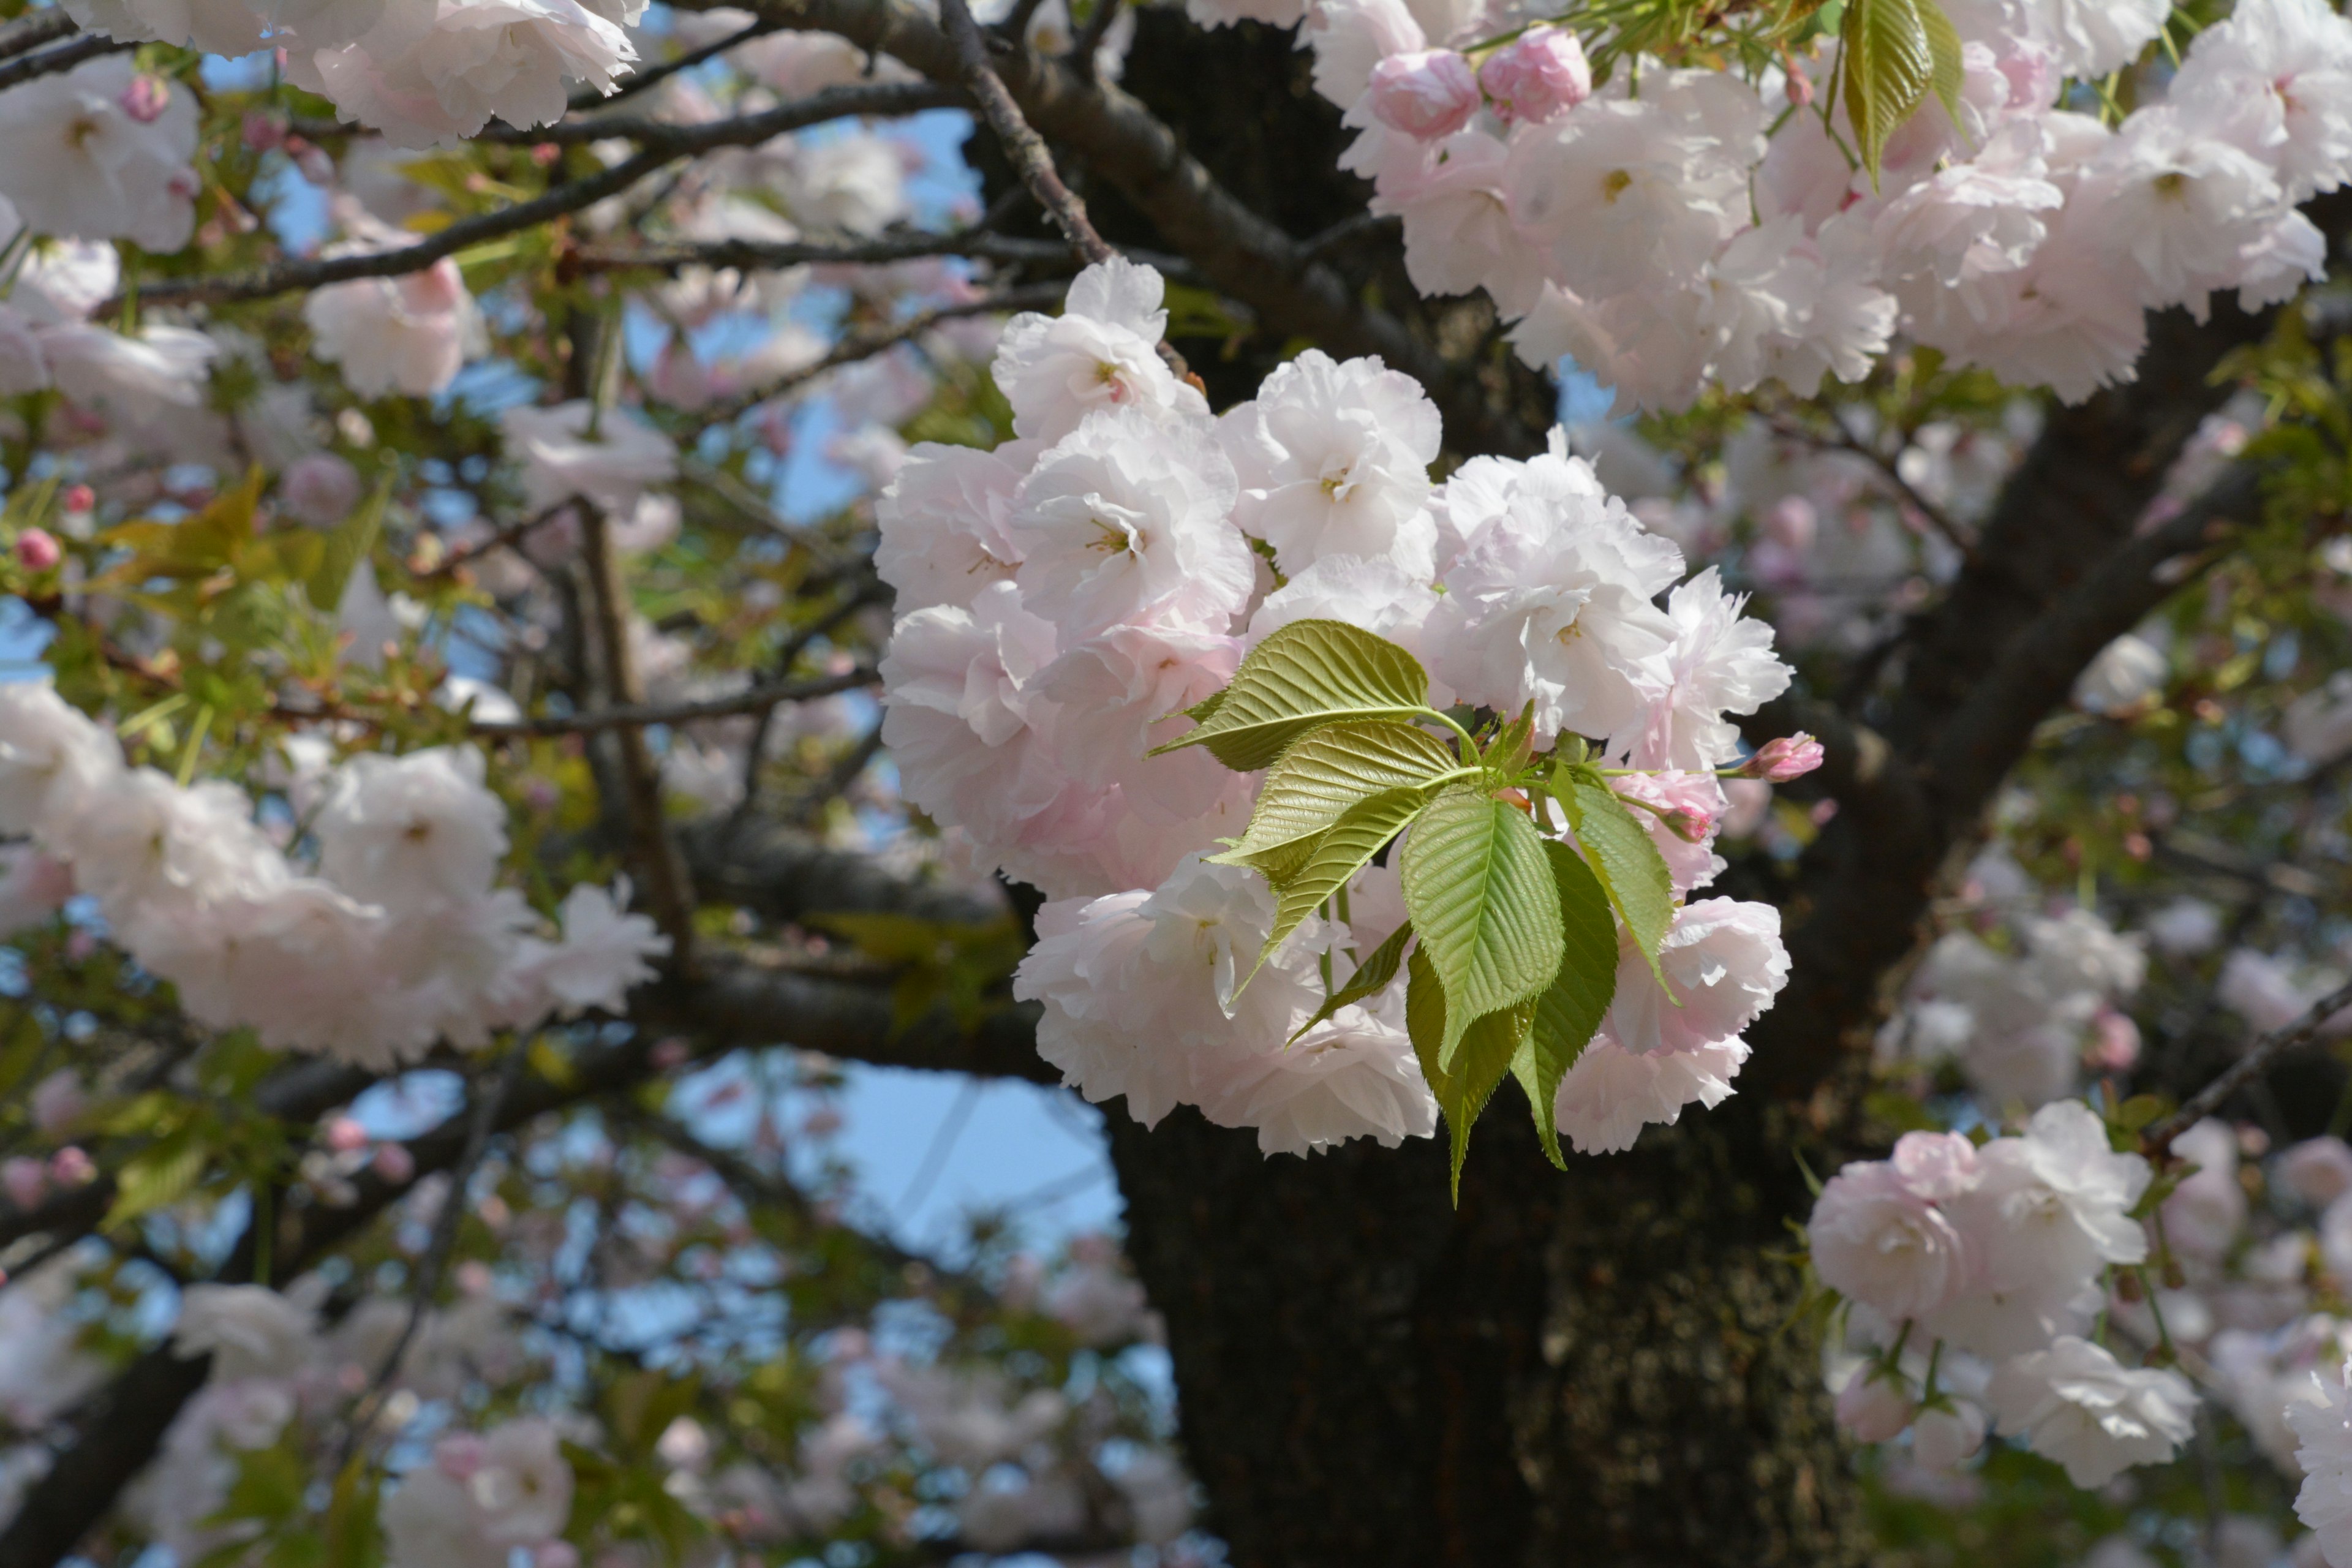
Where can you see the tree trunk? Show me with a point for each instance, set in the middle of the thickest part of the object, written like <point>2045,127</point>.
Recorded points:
<point>1573,1369</point>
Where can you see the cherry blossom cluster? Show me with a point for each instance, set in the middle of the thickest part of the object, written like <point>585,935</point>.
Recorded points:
<point>1976,1308</point>
<point>1063,598</point>
<point>1970,1277</point>
<point>394,939</point>
<point>424,72</point>
<point>1670,229</point>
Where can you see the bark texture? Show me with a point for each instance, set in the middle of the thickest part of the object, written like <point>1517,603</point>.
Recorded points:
<point>1571,1370</point>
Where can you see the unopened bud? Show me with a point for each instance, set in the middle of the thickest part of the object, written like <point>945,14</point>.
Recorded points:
<point>1790,757</point>
<point>145,99</point>
<point>345,1134</point>
<point>2127,1288</point>
<point>263,132</point>
<point>1426,95</point>
<point>37,551</point>
<point>70,1167</point>
<point>1540,74</point>
<point>1689,823</point>
<point>394,1164</point>
<point>79,498</point>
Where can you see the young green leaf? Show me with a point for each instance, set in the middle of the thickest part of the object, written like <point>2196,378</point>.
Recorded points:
<point>1889,65</point>
<point>1306,675</point>
<point>1319,777</point>
<point>1339,855</point>
<point>1573,1004</point>
<point>1622,856</point>
<point>1515,745</point>
<point>1482,1056</point>
<point>1948,76</point>
<point>1372,977</point>
<point>1482,897</point>
<point>346,547</point>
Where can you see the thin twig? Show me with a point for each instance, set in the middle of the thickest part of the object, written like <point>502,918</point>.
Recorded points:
<point>639,714</point>
<point>850,351</point>
<point>751,255</point>
<point>588,103</point>
<point>1889,467</point>
<point>1028,150</point>
<point>669,888</point>
<point>434,1264</point>
<point>872,592</point>
<point>2257,1060</point>
<point>507,538</point>
<point>667,143</point>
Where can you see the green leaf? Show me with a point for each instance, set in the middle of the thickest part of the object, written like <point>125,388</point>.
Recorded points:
<point>1947,76</point>
<point>1573,1004</point>
<point>1319,777</point>
<point>157,1176</point>
<point>1339,855</point>
<point>346,547</point>
<point>1482,1055</point>
<point>1306,675</point>
<point>1371,976</point>
<point>1889,65</point>
<point>1514,746</point>
<point>1621,853</point>
<point>1481,897</point>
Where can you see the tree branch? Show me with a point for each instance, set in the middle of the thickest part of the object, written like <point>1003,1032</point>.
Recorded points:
<point>639,714</point>
<point>2259,1059</point>
<point>671,143</point>
<point>23,67</point>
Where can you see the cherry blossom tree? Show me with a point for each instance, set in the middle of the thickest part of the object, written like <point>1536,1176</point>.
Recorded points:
<point>1744,602</point>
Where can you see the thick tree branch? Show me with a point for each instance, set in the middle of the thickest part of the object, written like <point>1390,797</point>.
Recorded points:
<point>23,67</point>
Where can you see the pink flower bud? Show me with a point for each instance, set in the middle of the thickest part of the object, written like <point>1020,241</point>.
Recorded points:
<point>36,550</point>
<point>545,155</point>
<point>1426,95</point>
<point>1689,824</point>
<point>394,1164</point>
<point>1873,1408</point>
<point>145,99</point>
<point>79,498</point>
<point>671,1053</point>
<point>1540,74</point>
<point>263,132</point>
<point>320,488</point>
<point>24,1181</point>
<point>2115,1041</point>
<point>1790,757</point>
<point>345,1134</point>
<point>70,1167</point>
<point>556,1555</point>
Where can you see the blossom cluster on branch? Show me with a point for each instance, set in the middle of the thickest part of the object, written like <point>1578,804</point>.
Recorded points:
<point>1066,597</point>
<point>1673,229</point>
